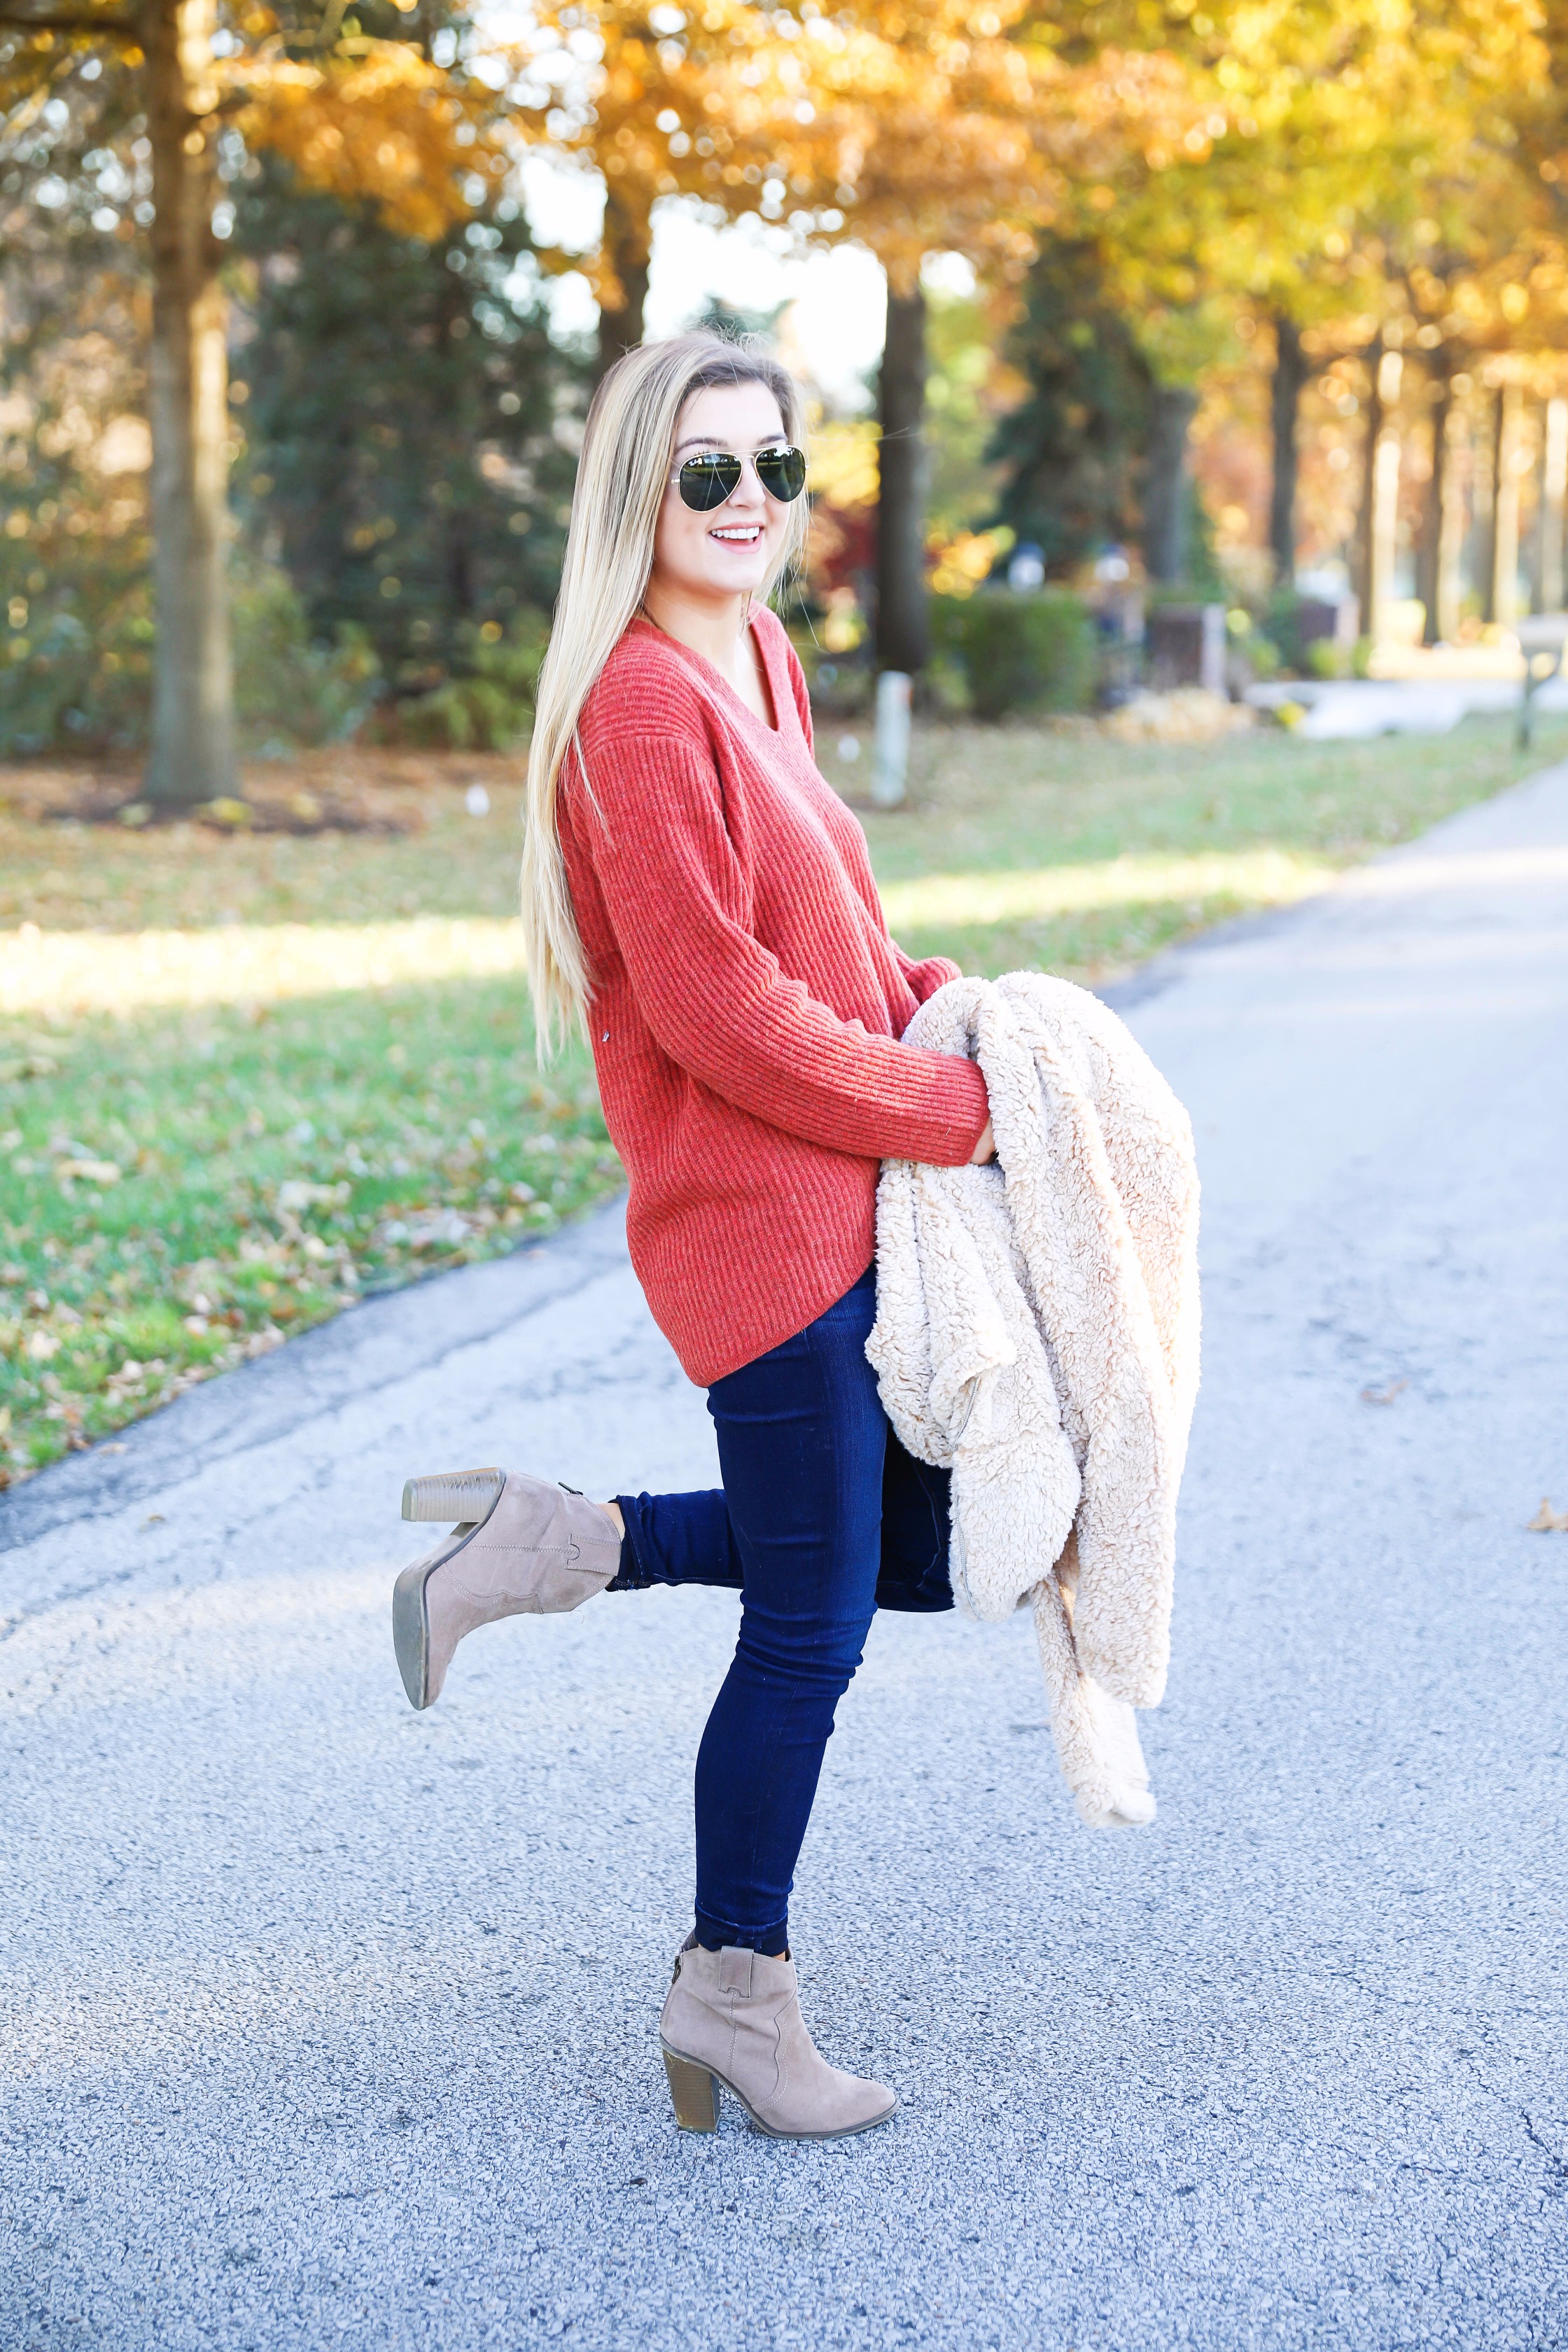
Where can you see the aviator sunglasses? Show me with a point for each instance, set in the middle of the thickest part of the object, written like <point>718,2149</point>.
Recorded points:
<point>706,481</point>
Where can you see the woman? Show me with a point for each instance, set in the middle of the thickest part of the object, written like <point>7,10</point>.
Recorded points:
<point>693,889</point>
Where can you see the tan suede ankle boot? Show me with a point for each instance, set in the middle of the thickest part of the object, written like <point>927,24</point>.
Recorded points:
<point>733,2016</point>
<point>520,1546</point>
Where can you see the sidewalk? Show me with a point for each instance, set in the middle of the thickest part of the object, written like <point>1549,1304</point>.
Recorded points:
<point>329,2024</point>
<point>1338,708</point>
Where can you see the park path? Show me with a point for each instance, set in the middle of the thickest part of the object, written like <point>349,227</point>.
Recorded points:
<point>326,2024</point>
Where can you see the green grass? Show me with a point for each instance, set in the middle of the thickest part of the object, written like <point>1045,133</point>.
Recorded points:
<point>1033,812</point>
<point>183,1186</point>
<point>272,1170</point>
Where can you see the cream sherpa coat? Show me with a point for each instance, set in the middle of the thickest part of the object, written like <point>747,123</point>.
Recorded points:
<point>1037,1332</point>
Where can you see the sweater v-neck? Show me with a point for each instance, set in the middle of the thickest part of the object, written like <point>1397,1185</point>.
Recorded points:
<point>708,670</point>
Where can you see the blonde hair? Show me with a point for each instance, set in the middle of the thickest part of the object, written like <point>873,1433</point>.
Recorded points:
<point>622,477</point>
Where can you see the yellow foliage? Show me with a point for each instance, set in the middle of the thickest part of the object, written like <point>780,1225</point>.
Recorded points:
<point>1360,161</point>
<point>962,561</point>
<point>844,463</point>
<point>913,130</point>
<point>375,119</point>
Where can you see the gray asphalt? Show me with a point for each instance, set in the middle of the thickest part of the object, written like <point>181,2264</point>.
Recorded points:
<point>327,2024</point>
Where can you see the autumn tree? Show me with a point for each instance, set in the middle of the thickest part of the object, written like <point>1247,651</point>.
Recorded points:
<point>1475,264</point>
<point>661,101</point>
<point>1337,128</point>
<point>356,106</point>
<point>974,131</point>
<point>950,128</point>
<point>944,129</point>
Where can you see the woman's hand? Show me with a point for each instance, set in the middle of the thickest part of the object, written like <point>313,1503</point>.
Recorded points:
<point>986,1150</point>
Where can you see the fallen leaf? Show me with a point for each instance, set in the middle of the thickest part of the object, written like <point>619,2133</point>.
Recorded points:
<point>233,816</point>
<point>1548,1522</point>
<point>1384,1395</point>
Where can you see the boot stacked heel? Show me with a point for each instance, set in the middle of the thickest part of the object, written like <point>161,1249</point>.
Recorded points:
<point>453,1496</point>
<point>694,2091</point>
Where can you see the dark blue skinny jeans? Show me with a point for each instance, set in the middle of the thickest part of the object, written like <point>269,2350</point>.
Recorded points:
<point>823,1518</point>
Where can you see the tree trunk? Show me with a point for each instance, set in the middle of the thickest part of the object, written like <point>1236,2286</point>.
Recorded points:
<point>1383,522</point>
<point>1435,533</point>
<point>1362,580</point>
<point>627,250</point>
<point>1502,597</point>
<point>1554,486</point>
<point>193,755</point>
<point>1451,539</point>
<point>1291,370</point>
<point>1486,503</point>
<point>902,642</point>
<point>1167,495</point>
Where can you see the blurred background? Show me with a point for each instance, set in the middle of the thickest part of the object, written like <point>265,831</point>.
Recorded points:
<point>1189,398</point>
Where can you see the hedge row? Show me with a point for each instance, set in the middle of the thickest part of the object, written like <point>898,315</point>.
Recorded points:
<point>1017,652</point>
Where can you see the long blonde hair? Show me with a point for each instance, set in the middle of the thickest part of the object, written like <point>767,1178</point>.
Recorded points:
<point>621,476</point>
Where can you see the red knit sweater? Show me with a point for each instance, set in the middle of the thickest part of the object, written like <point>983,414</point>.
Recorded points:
<point>747,1003</point>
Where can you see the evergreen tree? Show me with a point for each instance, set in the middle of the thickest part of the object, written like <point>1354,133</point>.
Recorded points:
<point>734,322</point>
<point>411,429</point>
<point>407,117</point>
<point>1072,452</point>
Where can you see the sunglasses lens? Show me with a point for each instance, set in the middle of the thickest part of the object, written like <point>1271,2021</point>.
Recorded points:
<point>781,473</point>
<point>707,482</point>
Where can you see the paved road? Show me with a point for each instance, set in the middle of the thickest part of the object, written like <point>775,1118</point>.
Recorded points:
<point>328,2024</point>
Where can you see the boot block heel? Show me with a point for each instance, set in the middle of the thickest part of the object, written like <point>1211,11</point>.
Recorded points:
<point>453,1494</point>
<point>694,2091</point>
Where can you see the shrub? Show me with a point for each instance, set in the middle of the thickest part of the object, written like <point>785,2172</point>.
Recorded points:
<point>77,669</point>
<point>76,664</point>
<point>487,704</point>
<point>1250,654</point>
<point>1017,652</point>
<point>290,688</point>
<point>1324,658</point>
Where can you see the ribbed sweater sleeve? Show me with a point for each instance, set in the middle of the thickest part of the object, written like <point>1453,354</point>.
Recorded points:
<point>925,978</point>
<point>678,900</point>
